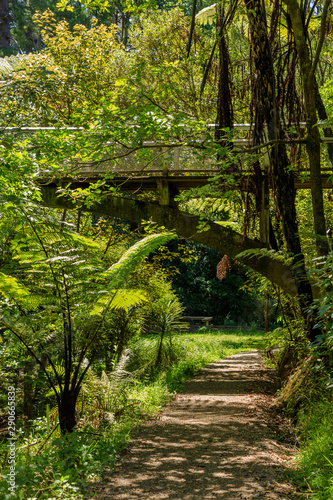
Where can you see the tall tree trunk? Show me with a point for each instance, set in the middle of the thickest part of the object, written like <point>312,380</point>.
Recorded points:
<point>4,24</point>
<point>224,118</point>
<point>322,114</point>
<point>266,112</point>
<point>308,67</point>
<point>224,115</point>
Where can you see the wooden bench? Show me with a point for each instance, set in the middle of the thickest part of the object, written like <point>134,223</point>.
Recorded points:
<point>204,319</point>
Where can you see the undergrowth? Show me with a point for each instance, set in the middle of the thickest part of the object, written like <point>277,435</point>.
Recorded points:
<point>315,459</point>
<point>307,399</point>
<point>55,467</point>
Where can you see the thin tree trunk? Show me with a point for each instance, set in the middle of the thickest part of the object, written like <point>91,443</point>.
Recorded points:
<point>4,24</point>
<point>159,352</point>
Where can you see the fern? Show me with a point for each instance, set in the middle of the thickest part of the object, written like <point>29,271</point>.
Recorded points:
<point>11,289</point>
<point>17,293</point>
<point>27,248</point>
<point>109,393</point>
<point>5,67</point>
<point>10,64</point>
<point>62,302</point>
<point>60,369</point>
<point>129,261</point>
<point>118,273</point>
<point>207,15</point>
<point>119,299</point>
<point>265,252</point>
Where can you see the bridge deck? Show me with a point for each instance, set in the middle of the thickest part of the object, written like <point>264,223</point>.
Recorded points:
<point>176,166</point>
<point>134,181</point>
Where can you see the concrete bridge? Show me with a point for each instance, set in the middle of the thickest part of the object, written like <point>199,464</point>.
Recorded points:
<point>174,168</point>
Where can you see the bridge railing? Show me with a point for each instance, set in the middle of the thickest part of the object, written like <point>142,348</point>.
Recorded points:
<point>152,159</point>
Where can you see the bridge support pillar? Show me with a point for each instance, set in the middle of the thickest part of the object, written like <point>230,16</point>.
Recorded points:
<point>166,193</point>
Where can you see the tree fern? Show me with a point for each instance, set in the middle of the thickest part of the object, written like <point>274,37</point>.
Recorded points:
<point>60,298</point>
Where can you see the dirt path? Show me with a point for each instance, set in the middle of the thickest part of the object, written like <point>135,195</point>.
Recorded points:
<point>212,442</point>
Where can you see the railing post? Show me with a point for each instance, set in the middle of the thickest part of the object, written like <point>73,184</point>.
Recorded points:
<point>176,159</point>
<point>165,162</point>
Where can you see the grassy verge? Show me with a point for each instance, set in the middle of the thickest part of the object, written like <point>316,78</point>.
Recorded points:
<point>307,400</point>
<point>188,353</point>
<point>315,460</point>
<point>62,467</point>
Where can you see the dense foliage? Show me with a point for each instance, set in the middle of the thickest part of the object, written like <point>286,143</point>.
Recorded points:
<point>129,86</point>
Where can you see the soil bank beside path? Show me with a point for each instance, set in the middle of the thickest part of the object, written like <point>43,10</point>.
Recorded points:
<point>213,441</point>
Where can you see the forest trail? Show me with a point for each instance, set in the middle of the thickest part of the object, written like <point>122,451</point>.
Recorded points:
<point>213,441</point>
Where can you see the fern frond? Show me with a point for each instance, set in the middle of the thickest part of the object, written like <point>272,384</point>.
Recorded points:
<point>265,252</point>
<point>207,15</point>
<point>10,64</point>
<point>129,261</point>
<point>51,392</point>
<point>110,392</point>
<point>60,369</point>
<point>120,370</point>
<point>120,299</point>
<point>11,289</point>
<point>6,68</point>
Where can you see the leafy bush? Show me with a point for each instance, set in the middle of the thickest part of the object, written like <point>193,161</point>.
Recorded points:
<point>61,469</point>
